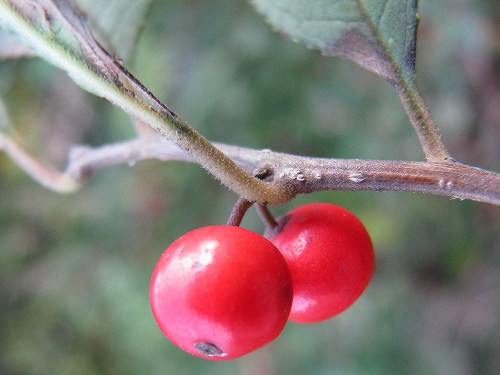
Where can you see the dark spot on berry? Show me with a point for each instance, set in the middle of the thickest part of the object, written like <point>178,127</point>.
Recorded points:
<point>196,265</point>
<point>208,349</point>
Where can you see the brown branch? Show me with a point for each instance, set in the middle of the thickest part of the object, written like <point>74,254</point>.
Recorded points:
<point>299,174</point>
<point>305,174</point>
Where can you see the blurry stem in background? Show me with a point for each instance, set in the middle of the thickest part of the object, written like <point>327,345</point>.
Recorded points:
<point>45,174</point>
<point>298,174</point>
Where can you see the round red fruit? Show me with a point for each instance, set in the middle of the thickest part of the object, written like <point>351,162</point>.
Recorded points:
<point>330,256</point>
<point>219,292</point>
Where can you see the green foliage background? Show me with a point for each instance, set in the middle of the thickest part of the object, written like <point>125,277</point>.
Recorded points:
<point>74,269</point>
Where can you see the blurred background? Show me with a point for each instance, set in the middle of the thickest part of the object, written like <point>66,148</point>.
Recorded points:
<point>75,269</point>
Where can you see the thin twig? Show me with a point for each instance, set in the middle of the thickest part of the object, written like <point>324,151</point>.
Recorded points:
<point>238,212</point>
<point>423,124</point>
<point>306,174</point>
<point>44,173</point>
<point>266,216</point>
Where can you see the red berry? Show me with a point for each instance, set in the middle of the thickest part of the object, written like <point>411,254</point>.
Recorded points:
<point>330,256</point>
<point>219,292</point>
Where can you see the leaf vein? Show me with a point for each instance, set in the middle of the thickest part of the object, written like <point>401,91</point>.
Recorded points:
<point>384,10</point>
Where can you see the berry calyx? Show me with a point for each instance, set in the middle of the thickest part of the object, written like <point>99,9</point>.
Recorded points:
<point>219,292</point>
<point>330,256</point>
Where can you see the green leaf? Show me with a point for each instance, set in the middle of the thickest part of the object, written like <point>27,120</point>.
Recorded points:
<point>379,35</point>
<point>119,21</point>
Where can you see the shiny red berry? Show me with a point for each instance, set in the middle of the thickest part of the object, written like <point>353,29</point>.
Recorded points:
<point>219,292</point>
<point>330,256</point>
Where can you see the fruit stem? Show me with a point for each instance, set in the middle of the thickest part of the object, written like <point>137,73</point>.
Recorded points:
<point>239,210</point>
<point>266,216</point>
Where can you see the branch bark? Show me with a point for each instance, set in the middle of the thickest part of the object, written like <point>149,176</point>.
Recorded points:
<point>297,174</point>
<point>307,174</point>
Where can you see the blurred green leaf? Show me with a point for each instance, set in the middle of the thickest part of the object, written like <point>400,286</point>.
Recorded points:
<point>4,117</point>
<point>11,47</point>
<point>119,20</point>
<point>379,35</point>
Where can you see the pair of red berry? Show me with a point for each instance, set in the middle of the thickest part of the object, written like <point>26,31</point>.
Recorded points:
<point>219,292</point>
